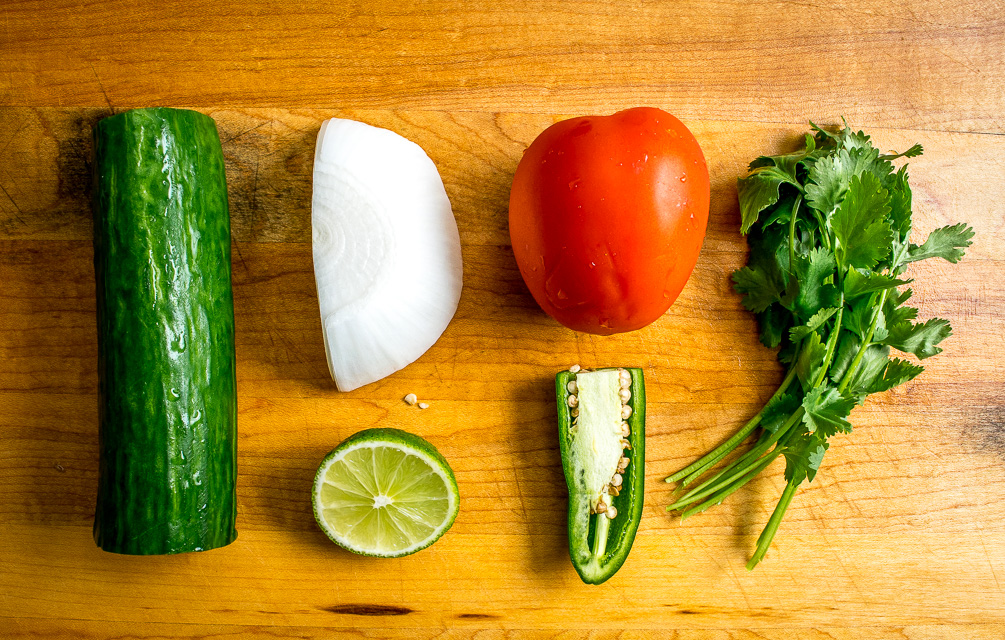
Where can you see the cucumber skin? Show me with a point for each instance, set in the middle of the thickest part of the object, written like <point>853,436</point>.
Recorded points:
<point>166,354</point>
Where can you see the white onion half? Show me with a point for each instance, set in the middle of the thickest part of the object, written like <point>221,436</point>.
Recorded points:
<point>387,255</point>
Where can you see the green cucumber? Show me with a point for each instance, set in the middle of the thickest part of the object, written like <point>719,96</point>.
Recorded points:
<point>166,365</point>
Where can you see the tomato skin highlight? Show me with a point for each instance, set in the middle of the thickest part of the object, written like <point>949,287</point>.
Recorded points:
<point>607,217</point>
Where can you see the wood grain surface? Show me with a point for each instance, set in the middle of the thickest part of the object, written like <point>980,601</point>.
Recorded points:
<point>901,535</point>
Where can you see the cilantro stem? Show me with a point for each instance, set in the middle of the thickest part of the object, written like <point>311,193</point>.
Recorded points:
<point>715,487</point>
<point>832,340</point>
<point>725,492</point>
<point>740,466</point>
<point>764,540</point>
<point>866,343</point>
<point>703,464</point>
<point>792,235</point>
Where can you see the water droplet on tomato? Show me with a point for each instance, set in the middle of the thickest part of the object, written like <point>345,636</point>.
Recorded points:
<point>683,178</point>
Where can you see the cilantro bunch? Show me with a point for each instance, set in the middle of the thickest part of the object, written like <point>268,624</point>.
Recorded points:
<point>828,229</point>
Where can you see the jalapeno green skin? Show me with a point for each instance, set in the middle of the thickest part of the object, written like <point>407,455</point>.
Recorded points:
<point>629,503</point>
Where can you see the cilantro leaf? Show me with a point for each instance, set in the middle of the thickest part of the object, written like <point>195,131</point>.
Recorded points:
<point>756,192</point>
<point>896,373</point>
<point>827,411</point>
<point>773,322</point>
<point>871,367</point>
<point>812,289</point>
<point>803,456</point>
<point>919,339</point>
<point>780,212</point>
<point>759,289</point>
<point>895,310</point>
<point>900,204</point>
<point>847,349</point>
<point>827,184</point>
<point>778,410</point>
<point>913,152</point>
<point>861,282</point>
<point>762,281</point>
<point>860,227</point>
<point>857,316</point>
<point>947,243</point>
<point>866,160</point>
<point>819,318</point>
<point>810,360</point>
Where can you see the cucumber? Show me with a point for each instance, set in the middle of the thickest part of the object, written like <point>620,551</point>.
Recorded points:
<point>166,364</point>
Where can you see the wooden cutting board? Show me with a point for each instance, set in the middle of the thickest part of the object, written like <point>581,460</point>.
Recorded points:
<point>901,535</point>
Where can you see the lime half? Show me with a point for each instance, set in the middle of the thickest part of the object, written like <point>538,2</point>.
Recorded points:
<point>386,493</point>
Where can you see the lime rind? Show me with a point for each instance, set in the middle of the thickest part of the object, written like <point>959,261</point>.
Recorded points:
<point>377,464</point>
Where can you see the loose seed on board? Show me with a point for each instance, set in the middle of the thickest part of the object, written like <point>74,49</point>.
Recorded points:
<point>626,412</point>
<point>410,399</point>
<point>573,401</point>
<point>423,405</point>
<point>572,387</point>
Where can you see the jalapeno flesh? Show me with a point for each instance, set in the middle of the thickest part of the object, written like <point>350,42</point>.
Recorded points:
<point>587,420</point>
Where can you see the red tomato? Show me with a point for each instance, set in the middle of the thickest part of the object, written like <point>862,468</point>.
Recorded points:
<point>607,216</point>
